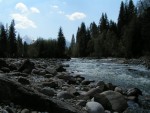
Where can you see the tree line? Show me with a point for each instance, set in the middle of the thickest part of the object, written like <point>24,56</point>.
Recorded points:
<point>128,37</point>
<point>13,46</point>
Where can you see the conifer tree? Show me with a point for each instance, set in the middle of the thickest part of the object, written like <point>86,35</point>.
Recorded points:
<point>12,40</point>
<point>3,41</point>
<point>61,43</point>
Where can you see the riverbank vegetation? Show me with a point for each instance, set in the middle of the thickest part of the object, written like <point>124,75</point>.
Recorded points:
<point>128,37</point>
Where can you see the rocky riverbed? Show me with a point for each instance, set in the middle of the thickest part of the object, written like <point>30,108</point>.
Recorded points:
<point>44,86</point>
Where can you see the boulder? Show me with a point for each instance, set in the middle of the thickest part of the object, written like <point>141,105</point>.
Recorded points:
<point>94,91</point>
<point>117,100</point>
<point>94,107</point>
<point>26,67</point>
<point>11,91</point>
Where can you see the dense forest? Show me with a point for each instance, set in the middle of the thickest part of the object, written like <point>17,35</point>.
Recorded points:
<point>128,37</point>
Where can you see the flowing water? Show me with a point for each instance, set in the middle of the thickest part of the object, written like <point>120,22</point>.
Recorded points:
<point>116,72</point>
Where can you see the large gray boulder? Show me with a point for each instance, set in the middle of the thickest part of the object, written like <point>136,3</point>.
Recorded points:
<point>116,100</point>
<point>94,107</point>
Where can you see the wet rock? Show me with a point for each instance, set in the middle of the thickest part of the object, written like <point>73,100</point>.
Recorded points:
<point>48,91</point>
<point>23,81</point>
<point>94,107</point>
<point>51,70</point>
<point>26,67</point>
<point>5,69</point>
<point>134,92</point>
<point>65,95</point>
<point>117,100</point>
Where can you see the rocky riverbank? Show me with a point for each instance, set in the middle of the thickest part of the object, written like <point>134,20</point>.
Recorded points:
<point>43,85</point>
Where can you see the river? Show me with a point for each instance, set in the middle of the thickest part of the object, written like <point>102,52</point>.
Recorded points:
<point>112,71</point>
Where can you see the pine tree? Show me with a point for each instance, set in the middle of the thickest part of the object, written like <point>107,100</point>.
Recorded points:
<point>94,30</point>
<point>25,49</point>
<point>81,40</point>
<point>103,24</point>
<point>19,46</point>
<point>72,46</point>
<point>121,19</point>
<point>3,41</point>
<point>12,40</point>
<point>61,43</point>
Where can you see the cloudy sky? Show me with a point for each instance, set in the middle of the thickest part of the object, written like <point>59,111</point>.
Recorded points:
<point>42,18</point>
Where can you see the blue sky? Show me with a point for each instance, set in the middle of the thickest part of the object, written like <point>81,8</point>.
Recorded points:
<point>42,18</point>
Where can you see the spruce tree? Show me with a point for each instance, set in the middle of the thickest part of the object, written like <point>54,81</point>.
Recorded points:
<point>121,19</point>
<point>3,41</point>
<point>61,43</point>
<point>12,40</point>
<point>19,46</point>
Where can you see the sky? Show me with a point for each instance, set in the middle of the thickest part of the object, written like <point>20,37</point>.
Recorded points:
<point>43,18</point>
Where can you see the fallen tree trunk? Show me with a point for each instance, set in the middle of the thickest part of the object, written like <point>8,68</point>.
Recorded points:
<point>11,91</point>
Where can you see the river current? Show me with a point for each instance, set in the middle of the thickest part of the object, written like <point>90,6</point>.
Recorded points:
<point>112,71</point>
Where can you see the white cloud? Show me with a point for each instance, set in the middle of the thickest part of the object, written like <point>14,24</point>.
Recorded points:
<point>22,7</point>
<point>23,21</point>
<point>76,16</point>
<point>34,10</point>
<point>21,18</point>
